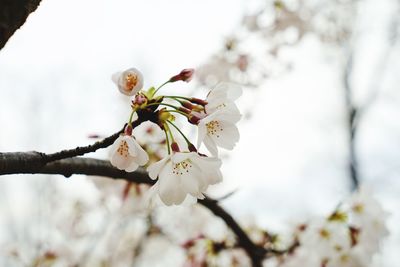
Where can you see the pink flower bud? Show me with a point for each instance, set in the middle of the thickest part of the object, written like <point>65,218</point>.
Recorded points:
<point>194,119</point>
<point>187,105</point>
<point>128,130</point>
<point>198,101</point>
<point>139,99</point>
<point>185,75</point>
<point>175,147</point>
<point>185,110</point>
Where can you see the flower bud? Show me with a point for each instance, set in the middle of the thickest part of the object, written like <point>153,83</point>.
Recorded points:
<point>128,130</point>
<point>198,101</point>
<point>185,75</point>
<point>192,148</point>
<point>175,147</point>
<point>187,105</point>
<point>194,119</point>
<point>185,110</point>
<point>139,100</point>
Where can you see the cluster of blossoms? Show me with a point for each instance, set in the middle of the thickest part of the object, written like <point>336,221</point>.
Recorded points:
<point>184,171</point>
<point>349,237</point>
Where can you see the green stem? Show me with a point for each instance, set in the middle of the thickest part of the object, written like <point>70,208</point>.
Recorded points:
<point>169,131</point>
<point>177,97</point>
<point>163,104</point>
<point>131,117</point>
<point>183,135</point>
<point>160,87</point>
<point>178,111</point>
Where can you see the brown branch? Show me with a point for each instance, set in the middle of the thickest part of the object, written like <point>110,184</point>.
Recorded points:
<point>80,151</point>
<point>256,253</point>
<point>32,163</point>
<point>13,14</point>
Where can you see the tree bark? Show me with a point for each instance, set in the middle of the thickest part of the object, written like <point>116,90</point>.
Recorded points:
<point>13,14</point>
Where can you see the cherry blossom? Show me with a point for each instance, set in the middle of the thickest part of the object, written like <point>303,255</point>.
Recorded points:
<point>218,130</point>
<point>129,82</point>
<point>222,96</point>
<point>183,173</point>
<point>127,154</point>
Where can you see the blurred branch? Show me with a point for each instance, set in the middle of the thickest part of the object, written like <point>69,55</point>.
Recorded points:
<point>32,163</point>
<point>352,113</point>
<point>13,14</point>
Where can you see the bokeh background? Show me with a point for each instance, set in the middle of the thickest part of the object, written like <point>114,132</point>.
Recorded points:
<point>296,61</point>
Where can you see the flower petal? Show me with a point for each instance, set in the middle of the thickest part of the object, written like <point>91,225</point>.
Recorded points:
<point>201,134</point>
<point>155,168</point>
<point>210,145</point>
<point>169,187</point>
<point>142,157</point>
<point>132,167</point>
<point>228,137</point>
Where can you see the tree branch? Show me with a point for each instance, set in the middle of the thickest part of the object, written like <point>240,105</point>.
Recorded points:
<point>32,163</point>
<point>13,14</point>
<point>352,116</point>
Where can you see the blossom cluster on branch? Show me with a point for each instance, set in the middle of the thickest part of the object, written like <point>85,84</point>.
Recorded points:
<point>348,237</point>
<point>184,171</point>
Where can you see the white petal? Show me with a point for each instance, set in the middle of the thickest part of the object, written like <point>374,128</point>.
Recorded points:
<point>132,148</point>
<point>228,137</point>
<point>210,145</point>
<point>169,187</point>
<point>142,157</point>
<point>155,168</point>
<point>210,167</point>
<point>115,77</point>
<point>230,112</point>
<point>181,156</point>
<point>132,167</point>
<point>201,134</point>
<point>191,180</point>
<point>119,162</point>
<point>234,91</point>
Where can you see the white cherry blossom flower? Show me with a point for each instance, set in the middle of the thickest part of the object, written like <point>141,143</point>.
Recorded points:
<point>183,173</point>
<point>222,97</point>
<point>218,130</point>
<point>129,82</point>
<point>367,215</point>
<point>326,239</point>
<point>127,154</point>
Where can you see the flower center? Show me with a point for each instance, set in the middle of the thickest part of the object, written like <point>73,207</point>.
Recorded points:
<point>123,149</point>
<point>131,80</point>
<point>182,167</point>
<point>213,128</point>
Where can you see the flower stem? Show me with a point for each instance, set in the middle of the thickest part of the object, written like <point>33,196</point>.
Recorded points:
<point>131,117</point>
<point>163,104</point>
<point>183,135</point>
<point>177,97</point>
<point>178,111</point>
<point>160,87</point>
<point>169,131</point>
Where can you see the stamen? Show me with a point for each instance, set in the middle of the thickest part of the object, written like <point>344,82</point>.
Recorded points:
<point>131,80</point>
<point>182,167</point>
<point>123,149</point>
<point>213,128</point>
